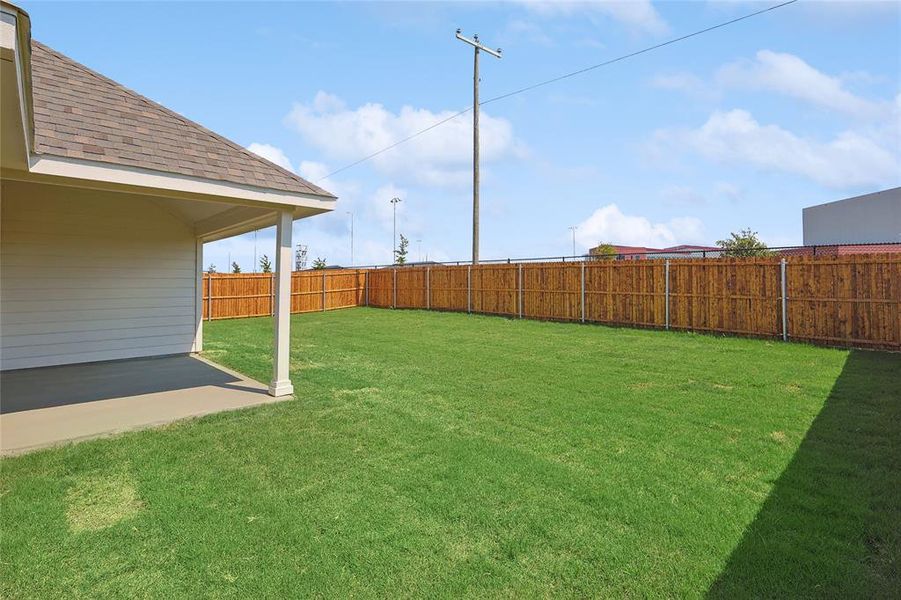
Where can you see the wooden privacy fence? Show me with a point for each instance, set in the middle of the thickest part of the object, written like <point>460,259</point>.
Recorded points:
<point>253,294</point>
<point>833,300</point>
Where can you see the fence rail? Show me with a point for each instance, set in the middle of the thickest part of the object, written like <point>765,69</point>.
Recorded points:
<point>852,300</point>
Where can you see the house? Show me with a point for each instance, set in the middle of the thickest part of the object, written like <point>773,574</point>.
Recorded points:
<point>868,219</point>
<point>107,200</point>
<point>642,252</point>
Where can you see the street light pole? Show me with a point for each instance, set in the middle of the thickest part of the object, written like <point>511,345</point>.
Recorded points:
<point>573,229</point>
<point>394,202</point>
<point>478,46</point>
<point>351,238</point>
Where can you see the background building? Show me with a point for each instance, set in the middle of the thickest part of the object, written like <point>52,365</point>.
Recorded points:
<point>868,219</point>
<point>620,252</point>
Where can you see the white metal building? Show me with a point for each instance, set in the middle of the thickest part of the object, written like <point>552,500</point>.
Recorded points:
<point>869,219</point>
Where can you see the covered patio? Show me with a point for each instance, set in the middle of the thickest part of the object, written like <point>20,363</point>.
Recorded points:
<point>52,405</point>
<point>107,200</point>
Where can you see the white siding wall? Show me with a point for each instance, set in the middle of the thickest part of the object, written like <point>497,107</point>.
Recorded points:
<point>88,276</point>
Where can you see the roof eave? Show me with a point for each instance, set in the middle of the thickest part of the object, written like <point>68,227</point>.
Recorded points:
<point>90,174</point>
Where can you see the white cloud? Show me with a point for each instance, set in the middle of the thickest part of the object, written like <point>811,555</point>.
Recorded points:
<point>639,14</point>
<point>272,154</point>
<point>528,31</point>
<point>784,74</point>
<point>682,194</point>
<point>842,12</point>
<point>334,247</point>
<point>850,159</point>
<point>687,83</point>
<point>588,42</point>
<point>608,224</point>
<point>348,192</point>
<point>790,75</point>
<point>863,77</point>
<point>382,210</point>
<point>728,191</point>
<point>442,156</point>
<point>328,235</point>
<point>374,209</point>
<point>688,196</point>
<point>572,99</point>
<point>848,12</point>
<point>312,170</point>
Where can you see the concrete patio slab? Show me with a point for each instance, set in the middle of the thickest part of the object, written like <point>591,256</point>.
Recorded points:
<point>53,405</point>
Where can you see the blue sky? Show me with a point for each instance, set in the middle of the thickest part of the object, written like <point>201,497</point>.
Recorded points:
<point>738,128</point>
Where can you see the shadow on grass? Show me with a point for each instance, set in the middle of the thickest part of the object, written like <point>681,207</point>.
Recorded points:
<point>831,527</point>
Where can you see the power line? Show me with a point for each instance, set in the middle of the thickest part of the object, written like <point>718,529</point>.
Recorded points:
<point>560,78</point>
<point>636,53</point>
<point>397,143</point>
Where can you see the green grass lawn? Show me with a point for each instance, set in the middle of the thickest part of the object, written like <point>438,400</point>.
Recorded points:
<point>434,454</point>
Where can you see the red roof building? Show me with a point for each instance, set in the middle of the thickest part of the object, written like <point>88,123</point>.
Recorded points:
<point>642,252</point>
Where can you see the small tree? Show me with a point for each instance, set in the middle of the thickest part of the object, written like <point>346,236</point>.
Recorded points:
<point>265,264</point>
<point>745,243</point>
<point>400,255</point>
<point>319,263</point>
<point>211,268</point>
<point>603,251</point>
<point>236,268</point>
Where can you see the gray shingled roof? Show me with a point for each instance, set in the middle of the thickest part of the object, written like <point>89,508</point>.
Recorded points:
<point>81,114</point>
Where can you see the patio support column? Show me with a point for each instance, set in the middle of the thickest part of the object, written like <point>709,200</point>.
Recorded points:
<point>197,346</point>
<point>281,382</point>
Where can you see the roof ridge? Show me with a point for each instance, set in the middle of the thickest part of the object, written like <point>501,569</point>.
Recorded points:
<point>185,120</point>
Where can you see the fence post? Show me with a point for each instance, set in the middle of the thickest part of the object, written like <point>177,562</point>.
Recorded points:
<point>394,288</point>
<point>323,290</point>
<point>666,289</point>
<point>519,296</point>
<point>428,288</point>
<point>209,297</point>
<point>272,293</point>
<point>784,313</point>
<point>469,289</point>
<point>583,291</point>
<point>366,286</point>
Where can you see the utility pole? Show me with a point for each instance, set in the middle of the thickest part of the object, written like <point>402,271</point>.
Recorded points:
<point>351,238</point>
<point>478,46</point>
<point>573,229</point>
<point>394,202</point>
